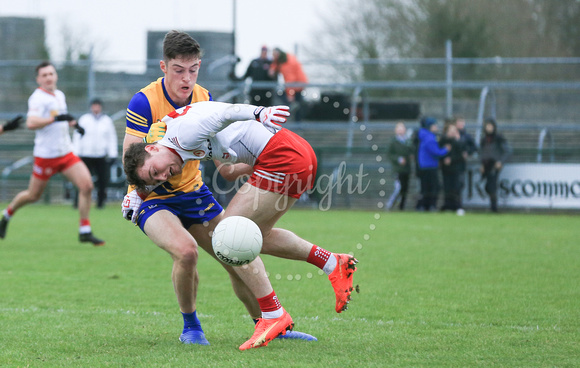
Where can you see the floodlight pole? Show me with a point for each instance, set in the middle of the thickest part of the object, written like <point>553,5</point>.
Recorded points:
<point>234,26</point>
<point>449,77</point>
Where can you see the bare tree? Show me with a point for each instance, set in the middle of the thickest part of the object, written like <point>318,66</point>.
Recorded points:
<point>386,29</point>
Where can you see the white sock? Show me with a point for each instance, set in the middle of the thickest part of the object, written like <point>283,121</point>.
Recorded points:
<point>330,265</point>
<point>85,229</point>
<point>275,314</point>
<point>6,215</point>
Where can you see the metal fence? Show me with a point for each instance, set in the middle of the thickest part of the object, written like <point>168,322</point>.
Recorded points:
<point>536,101</point>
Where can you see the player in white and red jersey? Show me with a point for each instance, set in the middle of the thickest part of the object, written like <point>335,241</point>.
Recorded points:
<point>47,115</point>
<point>283,166</point>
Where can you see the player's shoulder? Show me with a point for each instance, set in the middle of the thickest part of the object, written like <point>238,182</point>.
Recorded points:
<point>148,94</point>
<point>139,106</point>
<point>200,94</point>
<point>139,101</point>
<point>35,94</point>
<point>41,96</point>
<point>39,93</point>
<point>153,86</point>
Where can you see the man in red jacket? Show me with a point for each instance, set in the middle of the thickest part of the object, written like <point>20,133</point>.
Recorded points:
<point>290,68</point>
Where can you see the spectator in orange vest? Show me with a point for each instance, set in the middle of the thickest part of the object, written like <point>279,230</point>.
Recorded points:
<point>291,70</point>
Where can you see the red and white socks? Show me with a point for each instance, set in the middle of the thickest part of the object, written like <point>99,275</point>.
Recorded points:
<point>7,213</point>
<point>322,259</point>
<point>270,306</point>
<point>85,226</point>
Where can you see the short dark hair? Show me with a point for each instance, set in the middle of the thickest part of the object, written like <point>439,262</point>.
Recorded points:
<point>133,160</point>
<point>96,101</point>
<point>180,44</point>
<point>44,64</point>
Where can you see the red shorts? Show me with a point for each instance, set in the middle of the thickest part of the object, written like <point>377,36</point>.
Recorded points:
<point>287,165</point>
<point>44,168</point>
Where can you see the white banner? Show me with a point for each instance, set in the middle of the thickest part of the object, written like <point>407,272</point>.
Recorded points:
<point>528,186</point>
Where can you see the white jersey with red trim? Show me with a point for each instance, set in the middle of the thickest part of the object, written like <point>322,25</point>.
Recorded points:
<point>215,130</point>
<point>54,139</point>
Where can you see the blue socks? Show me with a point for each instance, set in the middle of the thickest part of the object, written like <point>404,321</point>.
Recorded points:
<point>190,322</point>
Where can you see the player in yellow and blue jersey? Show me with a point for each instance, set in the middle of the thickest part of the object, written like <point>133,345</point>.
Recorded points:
<point>178,214</point>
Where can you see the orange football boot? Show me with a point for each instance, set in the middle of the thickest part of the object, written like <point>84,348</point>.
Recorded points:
<point>268,329</point>
<point>341,280</point>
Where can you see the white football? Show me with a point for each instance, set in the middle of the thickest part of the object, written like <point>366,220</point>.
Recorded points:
<point>237,240</point>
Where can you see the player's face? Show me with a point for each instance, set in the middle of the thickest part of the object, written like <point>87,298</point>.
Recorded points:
<point>160,166</point>
<point>180,77</point>
<point>47,78</point>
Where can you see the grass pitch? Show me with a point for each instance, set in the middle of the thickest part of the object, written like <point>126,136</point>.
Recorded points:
<point>436,290</point>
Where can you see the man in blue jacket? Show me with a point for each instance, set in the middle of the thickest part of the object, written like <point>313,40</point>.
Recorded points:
<point>429,154</point>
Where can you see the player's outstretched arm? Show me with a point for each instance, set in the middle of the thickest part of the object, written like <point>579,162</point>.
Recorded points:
<point>231,172</point>
<point>265,115</point>
<point>12,124</point>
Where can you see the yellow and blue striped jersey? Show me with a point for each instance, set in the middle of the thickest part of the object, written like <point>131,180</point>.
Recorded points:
<point>149,106</point>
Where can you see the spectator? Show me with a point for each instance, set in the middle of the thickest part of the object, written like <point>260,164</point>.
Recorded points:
<point>98,147</point>
<point>415,144</point>
<point>258,71</point>
<point>450,168</point>
<point>291,70</point>
<point>467,143</point>
<point>494,151</point>
<point>428,158</point>
<point>48,117</point>
<point>401,154</point>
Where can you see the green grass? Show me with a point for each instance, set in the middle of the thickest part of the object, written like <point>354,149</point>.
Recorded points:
<point>436,290</point>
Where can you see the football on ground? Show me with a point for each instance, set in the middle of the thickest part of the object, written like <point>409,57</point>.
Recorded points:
<point>237,240</point>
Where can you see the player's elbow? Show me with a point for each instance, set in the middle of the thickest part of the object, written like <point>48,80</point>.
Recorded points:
<point>226,170</point>
<point>30,124</point>
<point>229,175</point>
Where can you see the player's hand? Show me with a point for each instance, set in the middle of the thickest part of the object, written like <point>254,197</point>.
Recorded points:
<point>80,129</point>
<point>64,117</point>
<point>274,115</point>
<point>130,206</point>
<point>156,132</point>
<point>14,123</point>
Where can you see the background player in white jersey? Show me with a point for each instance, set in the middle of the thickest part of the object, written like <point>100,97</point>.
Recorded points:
<point>284,166</point>
<point>47,115</point>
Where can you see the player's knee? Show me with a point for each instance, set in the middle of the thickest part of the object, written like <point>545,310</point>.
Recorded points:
<point>86,187</point>
<point>188,255</point>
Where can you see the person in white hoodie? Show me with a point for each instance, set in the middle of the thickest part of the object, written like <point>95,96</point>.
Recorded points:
<point>48,116</point>
<point>98,147</point>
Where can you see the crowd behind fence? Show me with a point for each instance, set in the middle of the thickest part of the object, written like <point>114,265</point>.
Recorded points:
<point>535,100</point>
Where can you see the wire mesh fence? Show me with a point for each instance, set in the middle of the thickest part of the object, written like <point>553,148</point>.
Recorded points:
<point>349,112</point>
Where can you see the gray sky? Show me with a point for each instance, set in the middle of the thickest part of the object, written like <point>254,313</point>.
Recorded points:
<point>118,28</point>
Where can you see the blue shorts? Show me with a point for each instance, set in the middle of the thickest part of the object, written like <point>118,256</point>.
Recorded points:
<point>191,208</point>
